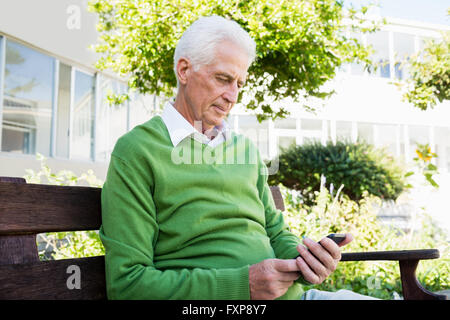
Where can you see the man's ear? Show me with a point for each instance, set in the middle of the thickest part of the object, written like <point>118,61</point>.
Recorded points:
<point>184,69</point>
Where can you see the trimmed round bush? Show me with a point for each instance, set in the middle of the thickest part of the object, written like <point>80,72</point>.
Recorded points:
<point>358,166</point>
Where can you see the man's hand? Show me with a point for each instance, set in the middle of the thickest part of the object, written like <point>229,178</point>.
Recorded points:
<point>321,259</point>
<point>271,278</point>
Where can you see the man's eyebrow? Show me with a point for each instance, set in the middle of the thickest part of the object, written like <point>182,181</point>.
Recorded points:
<point>224,74</point>
<point>230,77</point>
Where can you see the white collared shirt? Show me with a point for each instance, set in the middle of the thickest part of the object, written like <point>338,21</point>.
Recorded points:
<point>179,128</point>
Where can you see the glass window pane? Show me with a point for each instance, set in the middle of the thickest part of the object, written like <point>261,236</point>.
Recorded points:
<point>142,108</point>
<point>442,147</point>
<point>119,114</point>
<point>285,142</point>
<point>343,130</point>
<point>83,116</point>
<point>112,119</point>
<point>387,136</point>
<point>288,123</point>
<point>403,48</point>
<point>63,111</point>
<point>356,68</point>
<point>311,124</point>
<point>417,135</point>
<point>257,132</point>
<point>27,103</point>
<point>380,43</point>
<point>365,132</point>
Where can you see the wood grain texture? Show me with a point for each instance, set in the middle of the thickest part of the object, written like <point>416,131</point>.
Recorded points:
<point>399,255</point>
<point>48,280</point>
<point>36,208</point>
<point>18,249</point>
<point>411,287</point>
<point>277,198</point>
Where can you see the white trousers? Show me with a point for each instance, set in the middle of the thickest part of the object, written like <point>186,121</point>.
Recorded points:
<point>343,294</point>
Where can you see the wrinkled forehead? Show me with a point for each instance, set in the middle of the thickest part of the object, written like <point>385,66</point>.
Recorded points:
<point>231,59</point>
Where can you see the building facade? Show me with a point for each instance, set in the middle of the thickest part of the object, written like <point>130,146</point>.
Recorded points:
<point>54,102</point>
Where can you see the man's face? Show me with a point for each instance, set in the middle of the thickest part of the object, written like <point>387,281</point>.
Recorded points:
<point>213,89</point>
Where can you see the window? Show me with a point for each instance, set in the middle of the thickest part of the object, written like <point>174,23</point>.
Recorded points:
<point>417,135</point>
<point>311,130</point>
<point>27,100</point>
<point>311,124</point>
<point>112,121</point>
<point>388,136</point>
<point>380,43</point>
<point>403,48</point>
<point>63,111</point>
<point>365,132</point>
<point>442,147</point>
<point>356,68</point>
<point>343,130</point>
<point>83,116</point>
<point>142,108</point>
<point>258,132</point>
<point>285,142</point>
<point>287,123</point>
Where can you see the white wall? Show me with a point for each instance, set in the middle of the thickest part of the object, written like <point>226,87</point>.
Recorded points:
<point>61,27</point>
<point>14,165</point>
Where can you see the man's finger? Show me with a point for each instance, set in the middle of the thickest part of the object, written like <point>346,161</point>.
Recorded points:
<point>306,271</point>
<point>331,247</point>
<point>288,265</point>
<point>318,257</point>
<point>289,276</point>
<point>348,238</point>
<point>317,260</point>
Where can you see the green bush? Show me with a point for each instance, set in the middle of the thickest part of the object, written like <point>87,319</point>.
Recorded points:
<point>360,167</point>
<point>338,214</point>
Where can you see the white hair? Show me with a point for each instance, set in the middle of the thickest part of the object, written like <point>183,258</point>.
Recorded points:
<point>199,41</point>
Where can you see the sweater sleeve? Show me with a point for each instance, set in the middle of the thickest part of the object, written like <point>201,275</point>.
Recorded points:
<point>283,241</point>
<point>129,233</point>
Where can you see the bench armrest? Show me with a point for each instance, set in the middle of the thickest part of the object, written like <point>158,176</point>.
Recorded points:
<point>408,261</point>
<point>401,255</point>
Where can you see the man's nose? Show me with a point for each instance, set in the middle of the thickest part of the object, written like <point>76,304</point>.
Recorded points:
<point>231,94</point>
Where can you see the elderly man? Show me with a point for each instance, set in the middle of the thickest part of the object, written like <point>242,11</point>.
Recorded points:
<point>195,229</point>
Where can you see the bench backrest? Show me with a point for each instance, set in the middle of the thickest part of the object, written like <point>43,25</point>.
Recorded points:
<point>29,209</point>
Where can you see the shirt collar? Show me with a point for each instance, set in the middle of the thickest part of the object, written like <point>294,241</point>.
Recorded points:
<point>179,128</point>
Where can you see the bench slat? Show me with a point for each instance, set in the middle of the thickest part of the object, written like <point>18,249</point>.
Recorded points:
<point>48,280</point>
<point>37,208</point>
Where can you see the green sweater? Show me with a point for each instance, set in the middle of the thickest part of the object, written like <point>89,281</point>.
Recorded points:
<point>177,225</point>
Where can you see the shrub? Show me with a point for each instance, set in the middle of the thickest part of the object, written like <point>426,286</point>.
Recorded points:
<point>381,279</point>
<point>360,167</point>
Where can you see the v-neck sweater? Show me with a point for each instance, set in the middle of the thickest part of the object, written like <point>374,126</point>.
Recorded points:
<point>186,222</point>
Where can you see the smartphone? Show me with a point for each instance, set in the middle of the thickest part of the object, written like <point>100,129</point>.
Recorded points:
<point>336,237</point>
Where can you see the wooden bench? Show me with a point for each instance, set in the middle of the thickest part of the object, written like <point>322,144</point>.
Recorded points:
<point>29,209</point>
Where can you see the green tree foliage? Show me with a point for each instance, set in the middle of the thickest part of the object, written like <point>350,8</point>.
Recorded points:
<point>360,167</point>
<point>429,81</point>
<point>300,44</point>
